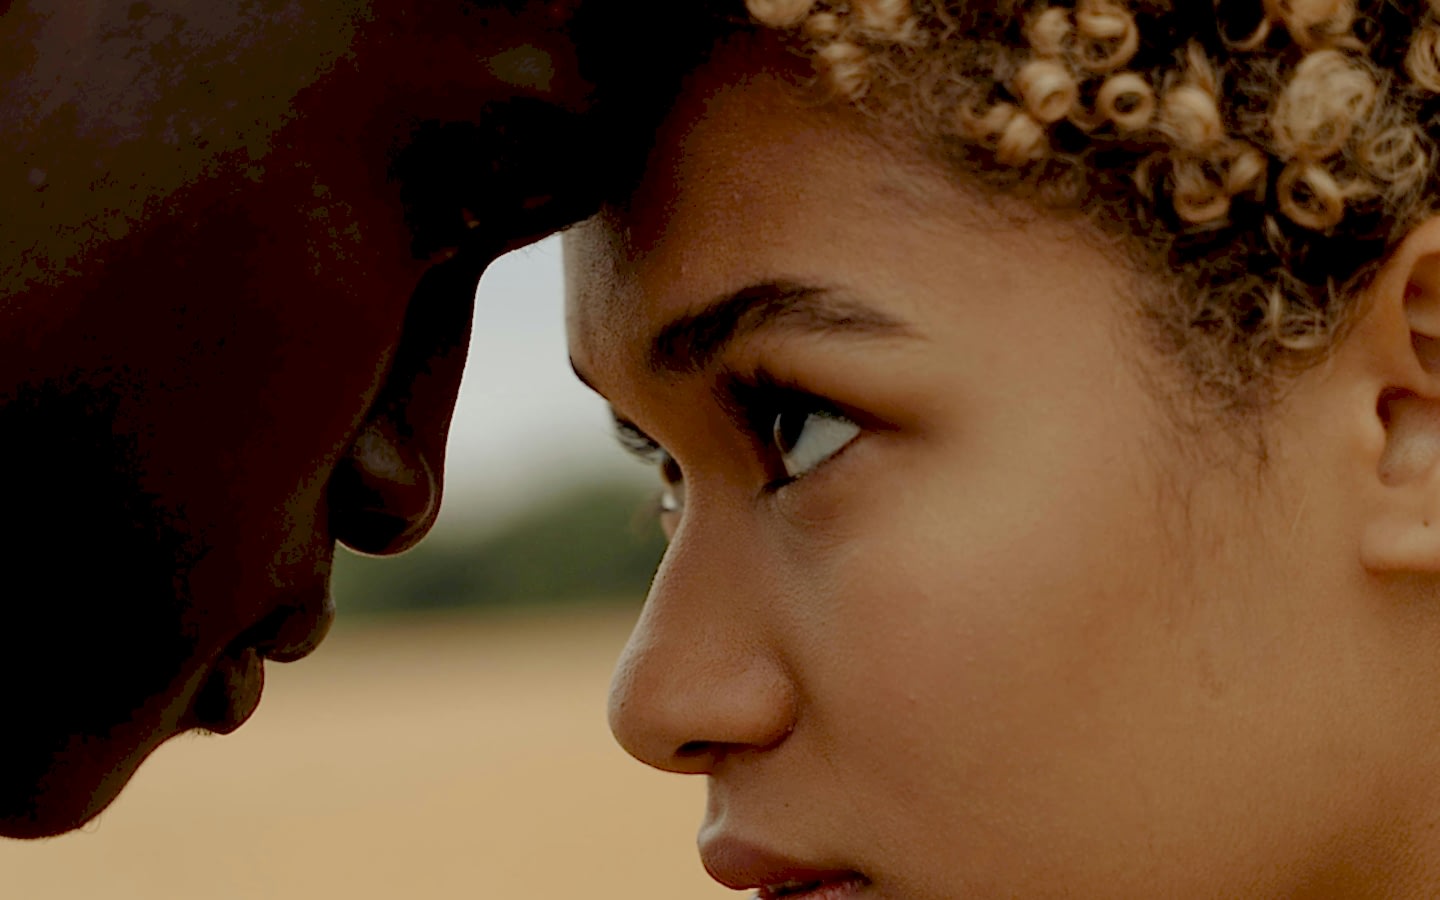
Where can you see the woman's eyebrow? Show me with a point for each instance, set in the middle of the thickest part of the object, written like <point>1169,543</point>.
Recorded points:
<point>692,343</point>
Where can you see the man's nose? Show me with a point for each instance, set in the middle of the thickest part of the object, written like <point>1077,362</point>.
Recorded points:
<point>385,493</point>
<point>702,677</point>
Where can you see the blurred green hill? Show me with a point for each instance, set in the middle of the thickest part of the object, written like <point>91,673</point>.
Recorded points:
<point>593,543</point>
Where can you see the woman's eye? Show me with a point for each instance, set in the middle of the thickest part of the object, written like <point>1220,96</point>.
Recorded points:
<point>672,482</point>
<point>672,490</point>
<point>807,438</point>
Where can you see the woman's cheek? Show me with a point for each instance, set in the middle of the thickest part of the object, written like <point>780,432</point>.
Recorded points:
<point>831,506</point>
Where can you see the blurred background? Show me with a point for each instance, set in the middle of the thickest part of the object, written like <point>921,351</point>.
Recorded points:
<point>449,738</point>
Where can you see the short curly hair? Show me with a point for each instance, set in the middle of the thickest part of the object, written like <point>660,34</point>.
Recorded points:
<point>1264,156</point>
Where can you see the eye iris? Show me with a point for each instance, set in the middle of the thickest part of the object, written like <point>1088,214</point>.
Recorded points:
<point>788,429</point>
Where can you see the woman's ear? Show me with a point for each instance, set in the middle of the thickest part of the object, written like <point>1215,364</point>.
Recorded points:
<point>1397,340</point>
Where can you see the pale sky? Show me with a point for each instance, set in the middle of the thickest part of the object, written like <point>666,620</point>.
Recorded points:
<point>523,424</point>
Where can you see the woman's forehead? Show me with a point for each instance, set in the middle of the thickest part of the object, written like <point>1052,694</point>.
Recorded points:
<point>747,181</point>
<point>753,182</point>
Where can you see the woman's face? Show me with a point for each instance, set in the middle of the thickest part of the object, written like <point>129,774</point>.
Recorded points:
<point>950,608</point>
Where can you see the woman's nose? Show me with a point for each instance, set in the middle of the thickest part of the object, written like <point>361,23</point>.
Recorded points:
<point>700,678</point>
<point>385,492</point>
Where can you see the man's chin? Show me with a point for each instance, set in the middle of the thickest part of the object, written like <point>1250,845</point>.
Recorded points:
<point>59,792</point>
<point>29,826</point>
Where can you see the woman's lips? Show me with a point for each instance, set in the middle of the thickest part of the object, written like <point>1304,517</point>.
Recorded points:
<point>740,865</point>
<point>231,692</point>
<point>843,888</point>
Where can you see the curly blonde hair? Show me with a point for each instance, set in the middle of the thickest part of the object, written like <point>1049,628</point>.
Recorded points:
<point>1263,155</point>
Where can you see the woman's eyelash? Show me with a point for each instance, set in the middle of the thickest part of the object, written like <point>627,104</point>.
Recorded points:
<point>749,398</point>
<point>752,401</point>
<point>756,400</point>
<point>644,448</point>
<point>758,403</point>
<point>637,443</point>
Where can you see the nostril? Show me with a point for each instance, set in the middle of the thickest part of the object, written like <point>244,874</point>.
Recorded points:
<point>374,532</point>
<point>694,749</point>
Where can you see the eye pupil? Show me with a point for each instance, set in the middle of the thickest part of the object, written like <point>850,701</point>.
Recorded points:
<point>788,429</point>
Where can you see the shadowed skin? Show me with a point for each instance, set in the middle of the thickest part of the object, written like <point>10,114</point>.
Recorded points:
<point>231,332</point>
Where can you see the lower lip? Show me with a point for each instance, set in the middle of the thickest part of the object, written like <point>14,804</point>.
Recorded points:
<point>231,692</point>
<point>830,890</point>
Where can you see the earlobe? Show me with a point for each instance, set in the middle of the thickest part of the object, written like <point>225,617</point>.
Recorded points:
<point>1401,325</point>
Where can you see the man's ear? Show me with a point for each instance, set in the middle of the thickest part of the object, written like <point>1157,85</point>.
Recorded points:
<point>1397,341</point>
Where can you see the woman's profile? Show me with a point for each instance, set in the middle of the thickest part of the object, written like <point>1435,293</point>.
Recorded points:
<point>1047,400</point>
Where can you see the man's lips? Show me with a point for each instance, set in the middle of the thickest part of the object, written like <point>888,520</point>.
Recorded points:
<point>232,691</point>
<point>740,865</point>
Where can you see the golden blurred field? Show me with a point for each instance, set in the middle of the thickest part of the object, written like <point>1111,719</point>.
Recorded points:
<point>443,758</point>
